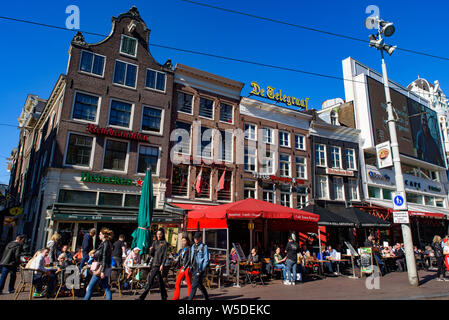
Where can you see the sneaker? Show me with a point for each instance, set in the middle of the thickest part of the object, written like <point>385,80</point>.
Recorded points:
<point>38,295</point>
<point>292,283</point>
<point>286,282</point>
<point>440,279</point>
<point>445,279</point>
<point>336,273</point>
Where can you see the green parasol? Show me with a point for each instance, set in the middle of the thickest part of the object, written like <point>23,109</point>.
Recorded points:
<point>141,236</point>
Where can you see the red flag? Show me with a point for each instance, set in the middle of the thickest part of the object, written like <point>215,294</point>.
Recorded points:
<point>199,181</point>
<point>221,182</point>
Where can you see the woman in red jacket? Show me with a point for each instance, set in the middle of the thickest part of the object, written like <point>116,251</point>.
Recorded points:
<point>183,261</point>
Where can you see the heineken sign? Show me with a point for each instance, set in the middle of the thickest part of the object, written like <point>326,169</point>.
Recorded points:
<point>117,133</point>
<point>89,178</point>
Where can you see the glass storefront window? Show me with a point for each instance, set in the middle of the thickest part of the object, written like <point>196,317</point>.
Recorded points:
<point>439,202</point>
<point>77,197</point>
<point>110,199</point>
<point>374,192</point>
<point>388,194</point>
<point>414,198</point>
<point>132,200</point>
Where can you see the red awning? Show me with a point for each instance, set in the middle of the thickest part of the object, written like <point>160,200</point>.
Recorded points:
<point>205,223</point>
<point>427,214</point>
<point>191,206</point>
<point>253,209</point>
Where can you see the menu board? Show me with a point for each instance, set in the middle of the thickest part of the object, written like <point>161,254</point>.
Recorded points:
<point>351,248</point>
<point>366,260</point>
<point>239,250</point>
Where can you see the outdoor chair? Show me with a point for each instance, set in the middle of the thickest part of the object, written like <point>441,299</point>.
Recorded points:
<point>253,273</point>
<point>116,279</point>
<point>214,273</point>
<point>61,280</point>
<point>26,280</point>
<point>139,279</point>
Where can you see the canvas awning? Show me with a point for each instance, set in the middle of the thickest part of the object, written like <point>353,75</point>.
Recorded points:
<point>328,218</point>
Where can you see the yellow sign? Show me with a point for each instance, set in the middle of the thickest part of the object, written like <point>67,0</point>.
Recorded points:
<point>250,225</point>
<point>270,93</point>
<point>15,211</point>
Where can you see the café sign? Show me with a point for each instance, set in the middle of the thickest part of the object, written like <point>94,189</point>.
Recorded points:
<point>340,172</point>
<point>117,133</point>
<point>277,95</point>
<point>280,179</point>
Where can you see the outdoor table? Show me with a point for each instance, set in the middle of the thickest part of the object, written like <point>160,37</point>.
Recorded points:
<point>135,269</point>
<point>389,262</point>
<point>338,265</point>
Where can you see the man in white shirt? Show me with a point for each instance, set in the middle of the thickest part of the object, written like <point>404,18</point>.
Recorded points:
<point>45,274</point>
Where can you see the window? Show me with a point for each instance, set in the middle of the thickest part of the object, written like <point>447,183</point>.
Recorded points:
<point>322,190</point>
<point>335,157</point>
<point>301,197</point>
<point>179,180</point>
<point>387,194</point>
<point>250,131</point>
<point>267,163</point>
<point>339,193</point>
<point>267,135</point>
<point>435,176</point>
<point>110,199</point>
<point>284,139</point>
<point>334,118</point>
<point>301,168</point>
<point>268,192</point>
<point>414,198</point>
<point>300,142</point>
<point>439,202</point>
<point>183,142</point>
<point>115,155</point>
<point>249,189</point>
<point>132,200</point>
<point>206,108</point>
<point>78,150</point>
<point>429,201</point>
<point>125,74</point>
<point>155,80</point>
<point>285,195</point>
<point>350,159</point>
<point>225,145</point>
<point>148,156</point>
<point>374,192</point>
<point>205,183</point>
<point>225,194</point>
<point>205,143</point>
<point>284,165</point>
<point>120,114</point>
<point>185,102</point>
<point>250,159</point>
<point>77,197</point>
<point>85,107</point>
<point>320,155</point>
<point>226,113</point>
<point>151,119</point>
<point>128,46</point>
<point>92,63</point>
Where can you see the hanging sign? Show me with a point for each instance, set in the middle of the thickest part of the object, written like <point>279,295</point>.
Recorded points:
<point>384,157</point>
<point>400,217</point>
<point>276,95</point>
<point>15,211</point>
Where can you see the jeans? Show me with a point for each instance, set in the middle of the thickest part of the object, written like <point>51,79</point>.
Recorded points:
<point>282,267</point>
<point>197,283</point>
<point>39,279</point>
<point>290,270</point>
<point>155,273</point>
<point>401,264</point>
<point>328,265</point>
<point>104,284</point>
<point>84,260</point>
<point>12,277</point>
<point>183,273</point>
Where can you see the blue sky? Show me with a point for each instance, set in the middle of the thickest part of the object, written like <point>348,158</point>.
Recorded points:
<point>32,57</point>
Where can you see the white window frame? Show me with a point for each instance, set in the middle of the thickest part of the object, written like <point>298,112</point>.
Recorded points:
<point>325,155</point>
<point>160,133</point>
<point>154,89</point>
<point>94,140</point>
<point>354,183</point>
<point>124,85</point>
<point>342,184</point>
<point>91,73</point>
<point>190,138</point>
<point>273,191</point>
<point>199,108</point>
<point>126,159</point>
<point>255,187</point>
<point>304,143</point>
<point>353,159</point>
<point>131,117</point>
<point>192,106</point>
<point>210,185</point>
<point>73,107</point>
<point>158,165</point>
<point>264,131</point>
<point>288,139</point>
<point>255,131</point>
<point>272,153</point>
<point>300,164</point>
<point>233,112</point>
<point>327,188</point>
<point>199,153</point>
<point>288,194</point>
<point>339,157</point>
<point>121,44</point>
<point>253,157</point>
<point>232,146</point>
<point>188,179</point>
<point>289,163</point>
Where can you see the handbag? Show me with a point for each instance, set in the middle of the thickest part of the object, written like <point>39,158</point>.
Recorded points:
<point>95,268</point>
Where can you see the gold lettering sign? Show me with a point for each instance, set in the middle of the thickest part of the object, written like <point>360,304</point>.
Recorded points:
<point>276,95</point>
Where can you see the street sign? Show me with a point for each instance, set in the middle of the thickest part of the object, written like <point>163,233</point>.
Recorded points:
<point>400,217</point>
<point>399,202</point>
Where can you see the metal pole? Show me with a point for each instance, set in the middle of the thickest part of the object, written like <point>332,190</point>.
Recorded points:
<point>406,231</point>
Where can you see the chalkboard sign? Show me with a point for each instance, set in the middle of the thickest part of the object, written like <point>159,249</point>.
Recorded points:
<point>366,260</point>
<point>351,248</point>
<point>239,250</point>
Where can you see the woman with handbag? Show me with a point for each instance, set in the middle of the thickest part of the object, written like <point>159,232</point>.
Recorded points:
<point>439,255</point>
<point>101,267</point>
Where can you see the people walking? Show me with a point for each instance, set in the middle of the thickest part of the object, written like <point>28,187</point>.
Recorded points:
<point>292,250</point>
<point>438,252</point>
<point>53,246</point>
<point>184,272</point>
<point>9,263</point>
<point>199,259</point>
<point>87,246</point>
<point>101,268</point>
<point>118,251</point>
<point>158,251</point>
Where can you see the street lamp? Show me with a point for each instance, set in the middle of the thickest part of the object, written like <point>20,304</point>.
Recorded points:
<point>387,29</point>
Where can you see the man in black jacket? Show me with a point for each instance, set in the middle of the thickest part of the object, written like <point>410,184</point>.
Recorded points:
<point>400,254</point>
<point>10,261</point>
<point>158,251</point>
<point>87,246</point>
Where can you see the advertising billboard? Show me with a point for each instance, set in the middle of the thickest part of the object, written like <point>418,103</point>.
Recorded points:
<point>417,127</point>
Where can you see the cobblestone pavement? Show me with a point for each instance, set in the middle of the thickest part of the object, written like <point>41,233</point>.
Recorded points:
<point>392,286</point>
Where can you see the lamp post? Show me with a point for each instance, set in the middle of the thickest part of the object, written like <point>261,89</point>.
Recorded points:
<point>387,29</point>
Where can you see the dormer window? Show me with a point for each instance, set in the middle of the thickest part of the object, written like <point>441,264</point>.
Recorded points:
<point>128,46</point>
<point>334,118</point>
